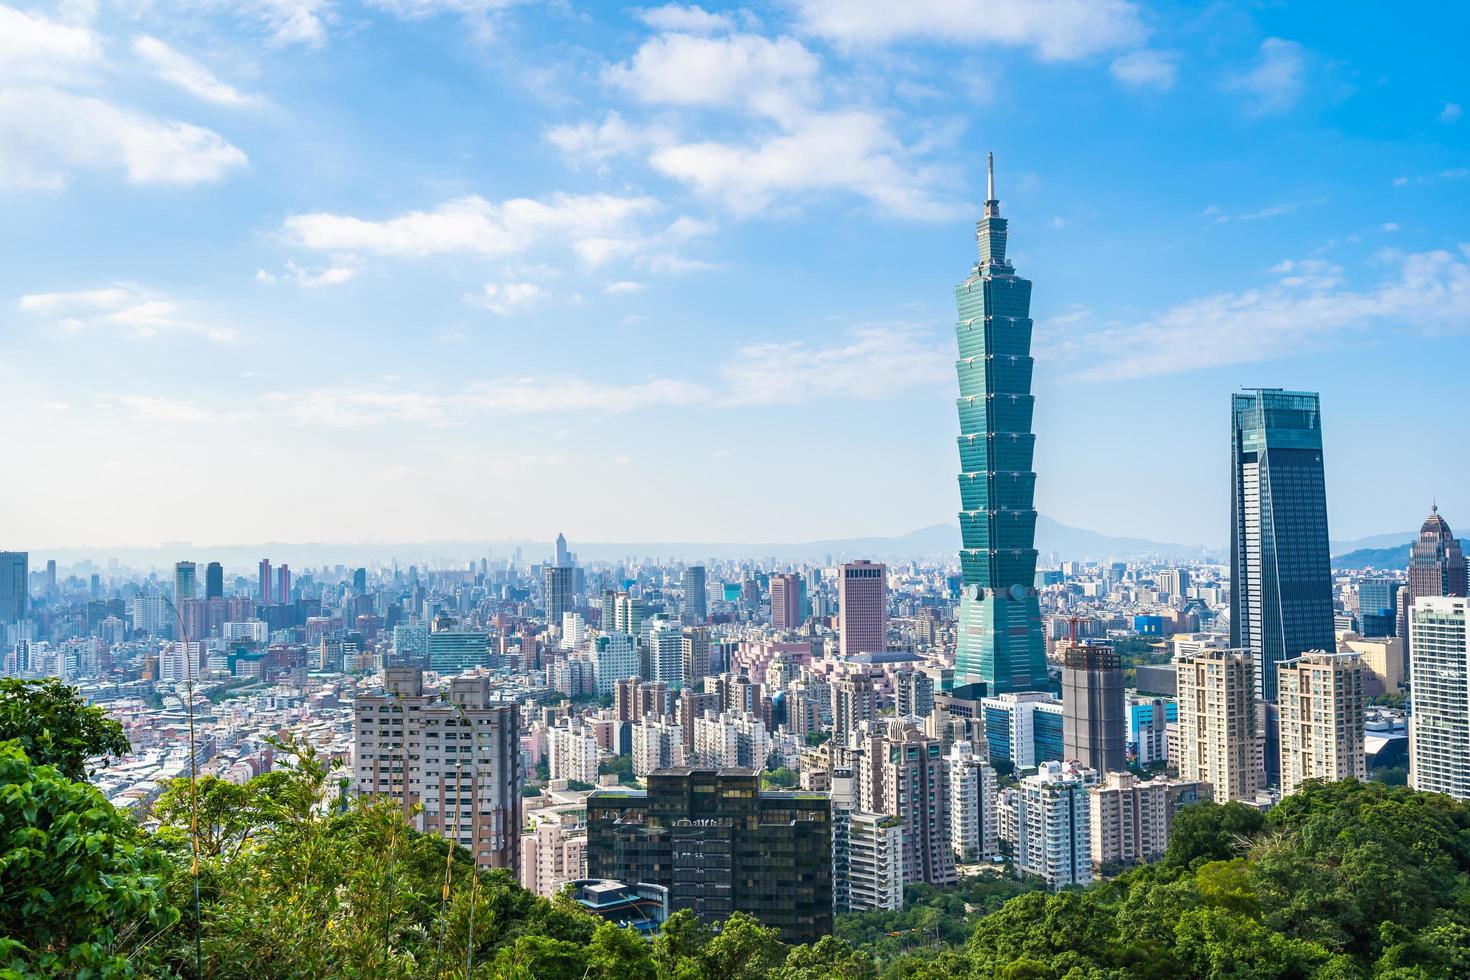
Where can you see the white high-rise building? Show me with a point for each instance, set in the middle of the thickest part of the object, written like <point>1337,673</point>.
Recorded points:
<point>657,744</point>
<point>666,652</point>
<point>1439,728</point>
<point>1049,818</point>
<point>616,656</point>
<point>731,739</point>
<point>972,800</point>
<point>1322,698</point>
<point>573,752</point>
<point>573,631</point>
<point>867,853</point>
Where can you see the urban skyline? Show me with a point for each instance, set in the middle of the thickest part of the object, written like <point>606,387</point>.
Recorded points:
<point>381,294</point>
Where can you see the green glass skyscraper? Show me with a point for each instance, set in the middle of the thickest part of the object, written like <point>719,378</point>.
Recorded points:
<point>1000,614</point>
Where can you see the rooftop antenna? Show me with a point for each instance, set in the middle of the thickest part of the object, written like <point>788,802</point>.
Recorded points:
<point>990,177</point>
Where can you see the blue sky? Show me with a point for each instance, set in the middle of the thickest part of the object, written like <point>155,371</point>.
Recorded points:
<point>301,270</point>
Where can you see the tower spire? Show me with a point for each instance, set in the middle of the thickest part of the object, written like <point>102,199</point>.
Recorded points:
<point>989,177</point>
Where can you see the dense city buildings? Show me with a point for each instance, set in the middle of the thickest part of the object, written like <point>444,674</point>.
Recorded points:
<point>1280,569</point>
<point>1322,698</point>
<point>1439,728</point>
<point>720,844</point>
<point>1000,641</point>
<point>1220,737</point>
<point>862,607</point>
<point>1093,723</point>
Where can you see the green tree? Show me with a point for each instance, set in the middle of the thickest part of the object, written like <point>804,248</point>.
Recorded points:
<point>1209,831</point>
<point>81,893</point>
<point>55,727</point>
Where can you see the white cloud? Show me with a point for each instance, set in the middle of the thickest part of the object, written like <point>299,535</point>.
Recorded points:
<point>179,69</point>
<point>1146,69</point>
<point>47,135</point>
<point>124,307</point>
<point>1276,83</point>
<point>689,20</point>
<point>623,288</point>
<point>772,77</point>
<point>875,362</point>
<point>594,144</point>
<point>473,224</point>
<point>34,48</point>
<point>1308,307</point>
<point>330,276</point>
<point>1450,113</point>
<point>1390,226</point>
<point>285,21</point>
<point>851,151</point>
<point>502,299</point>
<point>1057,30</point>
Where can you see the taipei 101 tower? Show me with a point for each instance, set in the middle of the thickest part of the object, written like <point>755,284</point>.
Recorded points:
<point>1000,640</point>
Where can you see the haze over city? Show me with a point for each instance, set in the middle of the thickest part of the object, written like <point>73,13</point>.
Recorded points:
<point>318,271</point>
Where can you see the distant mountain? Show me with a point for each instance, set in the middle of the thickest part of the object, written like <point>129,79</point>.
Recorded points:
<point>935,541</point>
<point>1373,558</point>
<point>1372,541</point>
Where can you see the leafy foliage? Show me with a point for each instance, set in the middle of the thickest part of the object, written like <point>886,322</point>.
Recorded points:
<point>55,727</point>
<point>1343,881</point>
<point>81,893</point>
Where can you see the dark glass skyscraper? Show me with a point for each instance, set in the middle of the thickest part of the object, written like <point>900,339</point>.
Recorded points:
<point>15,586</point>
<point>1000,614</point>
<point>1280,565</point>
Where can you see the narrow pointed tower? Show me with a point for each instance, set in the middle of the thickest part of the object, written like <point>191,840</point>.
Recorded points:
<point>1000,639</point>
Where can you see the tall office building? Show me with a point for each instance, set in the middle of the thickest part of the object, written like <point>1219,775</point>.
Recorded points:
<point>51,590</point>
<point>1280,567</point>
<point>186,582</point>
<point>214,581</point>
<point>1436,568</point>
<point>720,845</point>
<point>666,652</point>
<point>451,760</point>
<point>283,584</point>
<point>560,556</point>
<point>1439,728</point>
<point>359,581</point>
<point>1378,607</point>
<point>1094,728</point>
<point>1436,560</point>
<point>695,609</point>
<point>862,608</point>
<point>1000,641</point>
<point>786,602</point>
<point>1322,697</point>
<point>559,579</point>
<point>904,773</point>
<point>265,581</point>
<point>1219,731</point>
<point>15,586</point>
